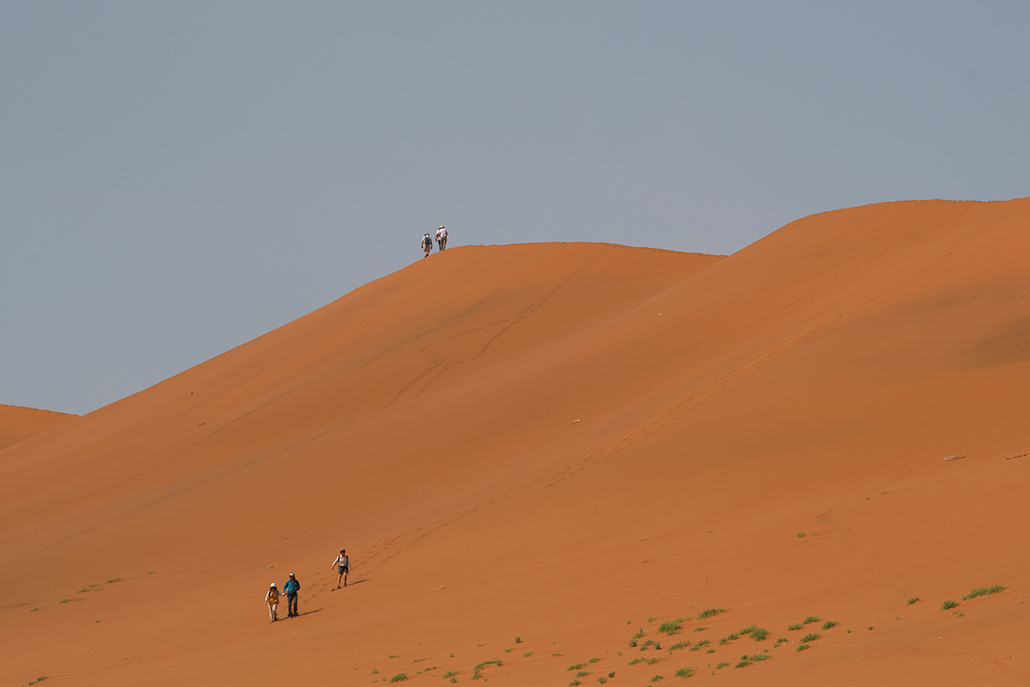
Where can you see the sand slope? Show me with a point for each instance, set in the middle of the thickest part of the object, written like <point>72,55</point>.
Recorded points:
<point>18,423</point>
<point>534,453</point>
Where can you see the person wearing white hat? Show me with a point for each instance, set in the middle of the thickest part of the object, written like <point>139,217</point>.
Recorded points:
<point>272,599</point>
<point>441,237</point>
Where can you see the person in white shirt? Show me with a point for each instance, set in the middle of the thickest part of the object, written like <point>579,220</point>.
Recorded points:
<point>441,237</point>
<point>343,563</point>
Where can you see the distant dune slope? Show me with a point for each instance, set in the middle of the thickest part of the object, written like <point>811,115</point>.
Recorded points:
<point>549,440</point>
<point>17,423</point>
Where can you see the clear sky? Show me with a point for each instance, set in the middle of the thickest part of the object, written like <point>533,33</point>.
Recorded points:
<point>177,178</point>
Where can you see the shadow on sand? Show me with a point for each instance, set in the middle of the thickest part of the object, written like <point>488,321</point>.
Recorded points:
<point>334,589</point>
<point>308,612</point>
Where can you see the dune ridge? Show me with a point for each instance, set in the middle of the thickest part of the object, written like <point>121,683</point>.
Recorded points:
<point>568,444</point>
<point>18,423</point>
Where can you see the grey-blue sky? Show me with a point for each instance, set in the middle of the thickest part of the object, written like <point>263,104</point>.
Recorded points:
<point>177,178</point>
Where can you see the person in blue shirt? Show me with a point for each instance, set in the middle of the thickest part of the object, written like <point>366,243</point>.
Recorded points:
<point>291,588</point>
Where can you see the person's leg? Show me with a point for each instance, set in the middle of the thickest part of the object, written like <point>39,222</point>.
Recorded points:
<point>346,572</point>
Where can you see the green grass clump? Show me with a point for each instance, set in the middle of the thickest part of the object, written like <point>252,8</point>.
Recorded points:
<point>672,627</point>
<point>829,624</point>
<point>576,667</point>
<point>582,673</point>
<point>450,674</point>
<point>699,645</point>
<point>678,645</point>
<point>114,579</point>
<point>782,640</point>
<point>594,660</point>
<point>684,672</point>
<point>709,612</point>
<point>912,600</point>
<point>806,621</point>
<point>759,634</point>
<point>399,677</point>
<point>477,672</point>
<point>983,591</point>
<point>949,604</point>
<point>656,678</point>
<point>722,665</point>
<point>746,660</point>
<point>802,647</point>
<point>810,638</point>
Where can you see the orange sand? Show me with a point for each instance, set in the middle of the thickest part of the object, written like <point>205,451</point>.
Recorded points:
<point>18,424</point>
<point>533,452</point>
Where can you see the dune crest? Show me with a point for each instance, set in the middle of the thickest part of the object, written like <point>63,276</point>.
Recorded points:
<point>18,423</point>
<point>537,455</point>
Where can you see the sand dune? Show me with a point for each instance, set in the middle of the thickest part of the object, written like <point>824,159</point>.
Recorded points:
<point>18,424</point>
<point>534,453</point>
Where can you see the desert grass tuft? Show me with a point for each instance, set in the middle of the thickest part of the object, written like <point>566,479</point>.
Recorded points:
<point>709,612</point>
<point>671,627</point>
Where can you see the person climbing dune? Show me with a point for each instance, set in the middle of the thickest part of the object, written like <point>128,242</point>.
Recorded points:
<point>343,563</point>
<point>291,588</point>
<point>272,599</point>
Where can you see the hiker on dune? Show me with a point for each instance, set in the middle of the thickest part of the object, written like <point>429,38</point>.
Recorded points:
<point>291,588</point>
<point>427,244</point>
<point>272,599</point>
<point>343,562</point>
<point>441,237</point>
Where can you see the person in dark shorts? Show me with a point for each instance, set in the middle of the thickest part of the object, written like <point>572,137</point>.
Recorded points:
<point>427,244</point>
<point>343,563</point>
<point>291,588</point>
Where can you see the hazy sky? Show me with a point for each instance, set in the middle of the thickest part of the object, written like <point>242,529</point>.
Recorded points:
<point>177,178</point>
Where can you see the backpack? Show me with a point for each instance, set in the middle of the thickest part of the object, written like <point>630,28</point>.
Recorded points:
<point>427,241</point>
<point>273,596</point>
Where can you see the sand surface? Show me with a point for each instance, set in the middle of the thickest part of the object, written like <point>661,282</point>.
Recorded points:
<point>539,454</point>
<point>18,424</point>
